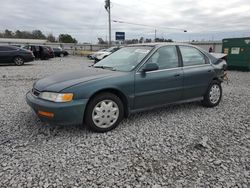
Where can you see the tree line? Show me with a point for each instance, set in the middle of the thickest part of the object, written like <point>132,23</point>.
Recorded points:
<point>141,40</point>
<point>37,34</point>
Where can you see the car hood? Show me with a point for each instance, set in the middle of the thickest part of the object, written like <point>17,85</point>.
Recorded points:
<point>61,81</point>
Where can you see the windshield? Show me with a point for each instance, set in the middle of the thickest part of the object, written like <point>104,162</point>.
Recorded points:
<point>124,59</point>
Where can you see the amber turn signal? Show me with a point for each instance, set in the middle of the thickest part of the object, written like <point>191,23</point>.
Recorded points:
<point>46,114</point>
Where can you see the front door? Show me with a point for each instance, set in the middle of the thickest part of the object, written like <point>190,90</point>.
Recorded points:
<point>161,86</point>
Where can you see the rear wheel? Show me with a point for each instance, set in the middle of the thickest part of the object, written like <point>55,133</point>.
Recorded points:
<point>104,112</point>
<point>213,95</point>
<point>18,61</point>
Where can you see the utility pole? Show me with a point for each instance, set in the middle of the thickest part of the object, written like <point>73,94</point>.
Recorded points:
<point>155,34</point>
<point>107,7</point>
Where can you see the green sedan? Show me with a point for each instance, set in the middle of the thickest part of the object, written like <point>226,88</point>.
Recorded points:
<point>134,78</point>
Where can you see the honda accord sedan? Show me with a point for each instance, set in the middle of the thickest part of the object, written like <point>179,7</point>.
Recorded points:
<point>132,79</point>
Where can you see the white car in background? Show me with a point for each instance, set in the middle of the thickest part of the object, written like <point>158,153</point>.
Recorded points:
<point>93,55</point>
<point>102,54</point>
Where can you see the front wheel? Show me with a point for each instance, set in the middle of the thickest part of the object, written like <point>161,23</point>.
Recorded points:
<point>18,61</point>
<point>104,112</point>
<point>213,95</point>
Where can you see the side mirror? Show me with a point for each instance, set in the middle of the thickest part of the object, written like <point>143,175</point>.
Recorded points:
<point>150,67</point>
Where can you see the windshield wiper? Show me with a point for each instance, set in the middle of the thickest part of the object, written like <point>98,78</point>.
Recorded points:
<point>105,67</point>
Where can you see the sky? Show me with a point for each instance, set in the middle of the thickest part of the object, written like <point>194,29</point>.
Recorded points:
<point>86,20</point>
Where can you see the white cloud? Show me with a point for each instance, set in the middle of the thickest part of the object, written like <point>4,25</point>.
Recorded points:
<point>87,19</point>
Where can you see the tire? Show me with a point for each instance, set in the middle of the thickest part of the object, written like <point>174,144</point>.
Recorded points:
<point>110,109</point>
<point>213,95</point>
<point>18,61</point>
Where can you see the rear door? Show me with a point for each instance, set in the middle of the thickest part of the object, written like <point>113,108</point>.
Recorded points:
<point>162,86</point>
<point>197,70</point>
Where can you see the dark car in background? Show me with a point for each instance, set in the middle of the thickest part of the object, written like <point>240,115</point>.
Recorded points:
<point>15,55</point>
<point>40,52</point>
<point>59,52</point>
<point>132,79</point>
<point>51,51</point>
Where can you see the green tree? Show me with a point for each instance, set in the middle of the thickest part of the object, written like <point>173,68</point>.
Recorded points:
<point>37,34</point>
<point>66,38</point>
<point>27,35</point>
<point>141,40</point>
<point>8,34</point>
<point>148,40</point>
<point>19,34</point>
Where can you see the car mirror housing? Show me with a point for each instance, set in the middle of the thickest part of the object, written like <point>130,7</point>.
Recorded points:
<point>150,67</point>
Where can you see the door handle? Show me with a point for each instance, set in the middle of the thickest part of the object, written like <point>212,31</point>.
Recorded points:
<point>209,71</point>
<point>176,75</point>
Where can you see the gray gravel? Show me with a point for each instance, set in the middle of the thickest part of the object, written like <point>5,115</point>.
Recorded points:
<point>177,146</point>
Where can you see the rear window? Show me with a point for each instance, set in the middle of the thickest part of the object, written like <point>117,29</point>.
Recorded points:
<point>56,49</point>
<point>191,56</point>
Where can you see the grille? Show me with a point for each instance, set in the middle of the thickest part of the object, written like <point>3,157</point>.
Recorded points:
<point>35,92</point>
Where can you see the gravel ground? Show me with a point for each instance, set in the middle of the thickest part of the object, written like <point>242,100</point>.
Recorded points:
<point>177,146</point>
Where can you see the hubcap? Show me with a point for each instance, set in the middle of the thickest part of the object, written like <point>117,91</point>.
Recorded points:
<point>105,113</point>
<point>214,94</point>
<point>19,61</point>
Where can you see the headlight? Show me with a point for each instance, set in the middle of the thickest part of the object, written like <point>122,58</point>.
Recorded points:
<point>56,97</point>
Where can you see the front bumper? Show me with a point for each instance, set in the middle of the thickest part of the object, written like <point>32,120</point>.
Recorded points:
<point>64,113</point>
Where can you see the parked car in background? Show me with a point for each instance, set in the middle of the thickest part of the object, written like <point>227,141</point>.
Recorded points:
<point>40,52</point>
<point>93,55</point>
<point>51,52</point>
<point>132,79</point>
<point>101,55</point>
<point>15,55</point>
<point>59,52</point>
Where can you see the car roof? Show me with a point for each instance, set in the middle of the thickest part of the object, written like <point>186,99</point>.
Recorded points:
<point>10,46</point>
<point>159,44</point>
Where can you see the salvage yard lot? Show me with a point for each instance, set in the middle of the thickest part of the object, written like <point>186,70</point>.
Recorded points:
<point>183,145</point>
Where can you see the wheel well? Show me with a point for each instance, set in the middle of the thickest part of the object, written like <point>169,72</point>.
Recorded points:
<point>16,57</point>
<point>118,94</point>
<point>216,79</point>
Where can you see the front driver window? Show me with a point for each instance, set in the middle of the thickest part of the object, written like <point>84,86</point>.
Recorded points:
<point>166,57</point>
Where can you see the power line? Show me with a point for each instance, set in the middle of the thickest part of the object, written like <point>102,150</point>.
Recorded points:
<point>163,27</point>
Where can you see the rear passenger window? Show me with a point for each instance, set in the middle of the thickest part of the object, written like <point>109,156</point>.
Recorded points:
<point>191,56</point>
<point>166,57</point>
